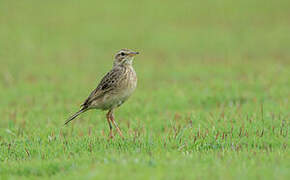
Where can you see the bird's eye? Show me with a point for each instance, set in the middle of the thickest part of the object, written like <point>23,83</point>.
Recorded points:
<point>122,54</point>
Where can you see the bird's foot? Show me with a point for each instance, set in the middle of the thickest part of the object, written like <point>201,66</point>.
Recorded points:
<point>120,133</point>
<point>111,135</point>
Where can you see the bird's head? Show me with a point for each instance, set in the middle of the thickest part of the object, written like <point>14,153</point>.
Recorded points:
<point>124,57</point>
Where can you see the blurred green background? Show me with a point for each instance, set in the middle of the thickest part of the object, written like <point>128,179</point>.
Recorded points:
<point>220,66</point>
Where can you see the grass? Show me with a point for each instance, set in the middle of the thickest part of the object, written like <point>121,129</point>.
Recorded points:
<point>212,100</point>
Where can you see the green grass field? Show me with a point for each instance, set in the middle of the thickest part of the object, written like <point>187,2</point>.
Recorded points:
<point>212,100</point>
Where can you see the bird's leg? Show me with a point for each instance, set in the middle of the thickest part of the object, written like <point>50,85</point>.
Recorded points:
<point>114,122</point>
<point>110,125</point>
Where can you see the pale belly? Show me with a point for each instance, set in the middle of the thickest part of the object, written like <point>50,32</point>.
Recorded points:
<point>118,97</point>
<point>115,100</point>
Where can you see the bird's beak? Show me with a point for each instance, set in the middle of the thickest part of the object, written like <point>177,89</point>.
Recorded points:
<point>133,53</point>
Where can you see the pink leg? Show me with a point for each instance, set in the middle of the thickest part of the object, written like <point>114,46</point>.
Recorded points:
<point>114,122</point>
<point>110,125</point>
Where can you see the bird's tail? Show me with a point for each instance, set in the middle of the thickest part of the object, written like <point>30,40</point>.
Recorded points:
<point>75,115</point>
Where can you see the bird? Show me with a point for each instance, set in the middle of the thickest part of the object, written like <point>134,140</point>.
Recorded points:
<point>113,90</point>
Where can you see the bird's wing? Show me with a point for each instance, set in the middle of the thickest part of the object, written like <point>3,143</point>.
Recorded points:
<point>108,83</point>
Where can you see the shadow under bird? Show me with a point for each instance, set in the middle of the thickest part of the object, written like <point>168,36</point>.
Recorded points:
<point>113,90</point>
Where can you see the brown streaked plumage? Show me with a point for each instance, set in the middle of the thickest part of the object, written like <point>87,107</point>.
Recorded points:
<point>114,89</point>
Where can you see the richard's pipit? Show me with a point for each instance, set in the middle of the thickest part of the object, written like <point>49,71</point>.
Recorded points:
<point>114,89</point>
